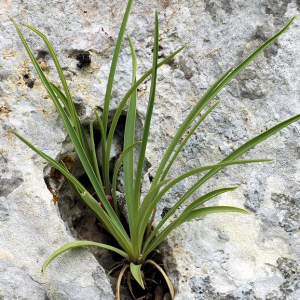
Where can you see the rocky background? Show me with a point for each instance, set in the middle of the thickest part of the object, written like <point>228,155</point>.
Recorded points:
<point>221,256</point>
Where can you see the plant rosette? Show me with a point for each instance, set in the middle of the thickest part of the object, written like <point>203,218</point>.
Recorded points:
<point>136,244</point>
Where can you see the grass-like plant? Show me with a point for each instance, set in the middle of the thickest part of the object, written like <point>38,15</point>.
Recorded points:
<point>136,245</point>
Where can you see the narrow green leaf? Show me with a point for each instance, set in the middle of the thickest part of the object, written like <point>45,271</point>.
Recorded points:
<point>114,65</point>
<point>115,228</point>
<point>77,244</point>
<point>145,135</point>
<point>62,97</point>
<point>134,60</point>
<point>211,210</point>
<point>202,199</point>
<point>105,156</point>
<point>96,168</point>
<point>141,219</point>
<point>136,273</point>
<point>70,104</point>
<point>129,134</point>
<point>148,117</point>
<point>116,171</point>
<point>101,127</point>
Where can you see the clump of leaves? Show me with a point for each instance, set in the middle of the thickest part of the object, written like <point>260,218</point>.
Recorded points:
<point>136,245</point>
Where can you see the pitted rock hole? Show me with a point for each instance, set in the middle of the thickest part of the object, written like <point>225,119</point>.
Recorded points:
<point>4,111</point>
<point>150,178</point>
<point>42,54</point>
<point>80,109</point>
<point>28,81</point>
<point>84,60</point>
<point>80,221</point>
<point>42,60</point>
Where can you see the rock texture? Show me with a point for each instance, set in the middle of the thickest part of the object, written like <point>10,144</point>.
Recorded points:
<point>225,256</point>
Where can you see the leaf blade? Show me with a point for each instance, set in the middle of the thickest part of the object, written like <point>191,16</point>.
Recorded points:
<point>77,244</point>
<point>114,65</point>
<point>69,103</point>
<point>114,181</point>
<point>136,273</point>
<point>145,135</point>
<point>211,210</point>
<point>128,164</point>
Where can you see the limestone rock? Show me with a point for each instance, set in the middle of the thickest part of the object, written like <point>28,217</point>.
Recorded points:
<point>225,256</point>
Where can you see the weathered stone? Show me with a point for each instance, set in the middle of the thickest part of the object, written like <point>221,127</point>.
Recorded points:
<point>288,210</point>
<point>226,256</point>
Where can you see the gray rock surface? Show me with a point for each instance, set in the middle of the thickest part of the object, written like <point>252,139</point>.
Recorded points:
<point>225,256</point>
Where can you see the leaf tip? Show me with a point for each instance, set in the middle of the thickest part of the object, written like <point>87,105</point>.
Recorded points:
<point>14,21</point>
<point>43,270</point>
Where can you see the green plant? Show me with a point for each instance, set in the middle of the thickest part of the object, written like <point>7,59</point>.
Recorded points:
<point>136,245</point>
